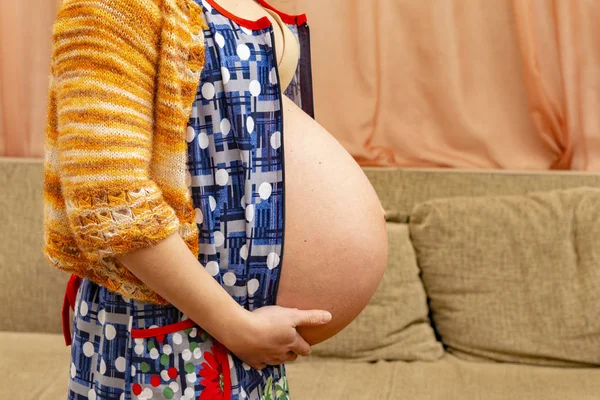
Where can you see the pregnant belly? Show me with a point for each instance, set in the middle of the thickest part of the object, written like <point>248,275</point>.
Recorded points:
<point>335,245</point>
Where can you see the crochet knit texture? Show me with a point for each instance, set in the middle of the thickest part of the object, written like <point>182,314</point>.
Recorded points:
<point>123,76</point>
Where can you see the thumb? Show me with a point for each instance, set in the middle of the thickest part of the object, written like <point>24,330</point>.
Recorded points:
<point>312,317</point>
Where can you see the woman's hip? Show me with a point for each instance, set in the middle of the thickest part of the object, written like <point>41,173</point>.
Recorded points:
<point>125,349</point>
<point>128,349</point>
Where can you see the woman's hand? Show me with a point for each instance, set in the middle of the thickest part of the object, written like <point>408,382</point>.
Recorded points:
<point>265,336</point>
<point>269,337</point>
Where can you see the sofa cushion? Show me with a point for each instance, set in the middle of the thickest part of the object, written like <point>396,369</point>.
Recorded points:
<point>395,324</point>
<point>449,378</point>
<point>514,278</point>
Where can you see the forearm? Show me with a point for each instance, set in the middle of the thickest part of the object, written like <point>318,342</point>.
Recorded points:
<point>170,269</point>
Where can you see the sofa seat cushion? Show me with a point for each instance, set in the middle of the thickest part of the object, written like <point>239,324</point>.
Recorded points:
<point>449,378</point>
<point>514,278</point>
<point>36,367</point>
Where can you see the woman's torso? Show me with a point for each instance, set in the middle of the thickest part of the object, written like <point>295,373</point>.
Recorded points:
<point>328,214</point>
<point>334,241</point>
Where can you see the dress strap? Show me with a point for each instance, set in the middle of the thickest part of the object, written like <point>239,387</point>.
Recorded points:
<point>291,52</point>
<point>69,301</point>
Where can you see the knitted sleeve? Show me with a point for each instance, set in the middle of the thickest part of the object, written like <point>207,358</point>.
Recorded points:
<point>104,65</point>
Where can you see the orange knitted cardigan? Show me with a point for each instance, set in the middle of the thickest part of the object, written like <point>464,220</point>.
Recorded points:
<point>123,77</point>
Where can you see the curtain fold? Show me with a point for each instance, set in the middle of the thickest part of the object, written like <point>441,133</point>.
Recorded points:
<point>445,85</point>
<point>560,50</point>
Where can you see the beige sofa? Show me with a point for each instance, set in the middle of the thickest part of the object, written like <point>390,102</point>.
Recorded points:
<point>484,297</point>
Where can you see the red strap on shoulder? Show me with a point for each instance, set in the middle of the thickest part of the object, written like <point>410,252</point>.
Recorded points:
<point>69,301</point>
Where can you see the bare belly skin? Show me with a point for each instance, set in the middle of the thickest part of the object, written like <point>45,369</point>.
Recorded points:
<point>335,244</point>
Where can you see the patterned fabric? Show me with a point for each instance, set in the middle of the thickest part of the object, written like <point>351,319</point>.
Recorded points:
<point>235,161</point>
<point>129,349</point>
<point>125,348</point>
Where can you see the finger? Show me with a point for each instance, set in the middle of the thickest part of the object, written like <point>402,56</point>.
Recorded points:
<point>257,365</point>
<point>312,317</point>
<point>260,366</point>
<point>301,347</point>
<point>275,361</point>
<point>291,356</point>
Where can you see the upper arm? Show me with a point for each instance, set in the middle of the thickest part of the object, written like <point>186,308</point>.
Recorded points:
<point>104,68</point>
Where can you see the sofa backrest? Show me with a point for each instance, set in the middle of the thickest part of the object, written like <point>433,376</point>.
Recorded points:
<point>400,189</point>
<point>32,291</point>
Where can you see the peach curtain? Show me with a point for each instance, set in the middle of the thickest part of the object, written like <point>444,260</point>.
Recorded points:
<point>25,40</point>
<point>560,44</point>
<point>459,83</point>
<point>439,83</point>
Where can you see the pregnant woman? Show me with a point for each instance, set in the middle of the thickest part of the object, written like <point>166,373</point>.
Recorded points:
<point>205,216</point>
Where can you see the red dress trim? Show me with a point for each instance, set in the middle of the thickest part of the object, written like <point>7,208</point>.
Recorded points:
<point>259,24</point>
<point>164,330</point>
<point>287,18</point>
<point>69,301</point>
